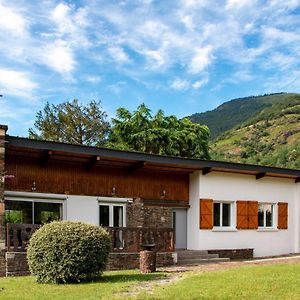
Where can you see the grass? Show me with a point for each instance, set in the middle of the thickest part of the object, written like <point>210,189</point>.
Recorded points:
<point>254,282</point>
<point>107,287</point>
<point>251,282</point>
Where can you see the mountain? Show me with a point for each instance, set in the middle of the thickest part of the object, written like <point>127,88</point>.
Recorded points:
<point>265,135</point>
<point>236,111</point>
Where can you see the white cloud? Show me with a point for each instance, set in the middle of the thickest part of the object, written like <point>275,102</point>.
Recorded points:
<point>93,78</point>
<point>12,21</point>
<point>184,84</point>
<point>59,57</point>
<point>118,54</point>
<point>71,24</point>
<point>280,36</point>
<point>202,59</point>
<point>16,83</point>
<point>199,83</point>
<point>180,84</point>
<point>117,87</point>
<point>237,4</point>
<point>155,59</point>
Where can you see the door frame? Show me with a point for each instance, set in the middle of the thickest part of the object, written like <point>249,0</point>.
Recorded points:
<point>174,222</point>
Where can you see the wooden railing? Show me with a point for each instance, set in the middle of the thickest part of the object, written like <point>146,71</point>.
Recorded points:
<point>18,236</point>
<point>128,239</point>
<point>124,239</point>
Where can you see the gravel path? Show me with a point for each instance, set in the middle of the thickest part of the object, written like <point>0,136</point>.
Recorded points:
<point>233,264</point>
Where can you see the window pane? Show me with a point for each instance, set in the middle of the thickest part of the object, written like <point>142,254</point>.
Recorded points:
<point>104,215</point>
<point>261,215</point>
<point>47,212</point>
<point>217,214</point>
<point>118,216</point>
<point>226,214</point>
<point>269,215</point>
<point>18,212</point>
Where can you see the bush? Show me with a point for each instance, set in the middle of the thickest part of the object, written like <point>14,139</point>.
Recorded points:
<point>65,252</point>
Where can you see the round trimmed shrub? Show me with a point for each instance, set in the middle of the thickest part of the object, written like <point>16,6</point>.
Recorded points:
<point>66,252</point>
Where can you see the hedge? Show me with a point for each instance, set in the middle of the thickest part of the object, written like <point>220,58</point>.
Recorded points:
<point>66,252</point>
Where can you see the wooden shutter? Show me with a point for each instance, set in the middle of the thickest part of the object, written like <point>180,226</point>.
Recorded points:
<point>242,215</point>
<point>282,215</point>
<point>247,214</point>
<point>206,214</point>
<point>252,214</point>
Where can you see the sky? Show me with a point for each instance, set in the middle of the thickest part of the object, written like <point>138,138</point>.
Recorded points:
<point>180,56</point>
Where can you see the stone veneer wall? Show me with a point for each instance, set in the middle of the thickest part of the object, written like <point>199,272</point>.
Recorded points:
<point>2,169</point>
<point>233,253</point>
<point>16,262</point>
<point>158,216</point>
<point>3,130</point>
<point>141,215</point>
<point>135,213</point>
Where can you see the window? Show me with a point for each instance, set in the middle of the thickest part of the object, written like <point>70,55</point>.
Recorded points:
<point>32,212</point>
<point>222,214</point>
<point>266,215</point>
<point>112,215</point>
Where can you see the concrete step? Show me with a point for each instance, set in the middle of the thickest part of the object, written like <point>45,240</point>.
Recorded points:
<point>192,251</point>
<point>192,256</point>
<point>200,261</point>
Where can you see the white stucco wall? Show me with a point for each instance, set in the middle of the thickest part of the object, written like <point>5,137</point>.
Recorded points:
<point>233,187</point>
<point>82,208</point>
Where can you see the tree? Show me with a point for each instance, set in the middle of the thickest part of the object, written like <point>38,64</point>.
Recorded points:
<point>158,134</point>
<point>71,122</point>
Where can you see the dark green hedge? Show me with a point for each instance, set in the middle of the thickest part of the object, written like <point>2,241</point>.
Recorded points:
<point>65,252</point>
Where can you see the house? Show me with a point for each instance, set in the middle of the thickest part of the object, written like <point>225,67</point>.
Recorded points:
<point>234,210</point>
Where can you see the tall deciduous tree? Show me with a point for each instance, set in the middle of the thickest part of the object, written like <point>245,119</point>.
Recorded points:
<point>158,134</point>
<point>71,122</point>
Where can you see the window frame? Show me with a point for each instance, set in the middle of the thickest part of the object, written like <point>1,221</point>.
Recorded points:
<point>111,206</point>
<point>274,216</point>
<point>232,215</point>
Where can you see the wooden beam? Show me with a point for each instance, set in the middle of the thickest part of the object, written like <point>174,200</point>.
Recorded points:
<point>93,161</point>
<point>297,180</point>
<point>136,166</point>
<point>260,175</point>
<point>46,157</point>
<point>207,170</point>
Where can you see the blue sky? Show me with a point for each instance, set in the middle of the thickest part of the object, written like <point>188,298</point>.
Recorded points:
<point>182,56</point>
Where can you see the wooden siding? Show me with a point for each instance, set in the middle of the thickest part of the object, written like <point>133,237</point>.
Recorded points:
<point>73,178</point>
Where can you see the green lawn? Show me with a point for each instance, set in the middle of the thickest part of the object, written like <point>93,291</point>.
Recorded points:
<point>25,288</point>
<point>253,282</point>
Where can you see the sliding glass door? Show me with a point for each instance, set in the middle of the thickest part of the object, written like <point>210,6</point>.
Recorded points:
<point>32,212</point>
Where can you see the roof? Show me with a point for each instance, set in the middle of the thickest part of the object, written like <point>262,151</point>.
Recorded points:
<point>142,160</point>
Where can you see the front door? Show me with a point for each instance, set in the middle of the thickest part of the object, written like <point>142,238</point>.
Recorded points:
<point>180,226</point>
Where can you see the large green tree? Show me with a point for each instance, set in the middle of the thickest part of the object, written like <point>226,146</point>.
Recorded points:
<point>158,134</point>
<point>71,122</point>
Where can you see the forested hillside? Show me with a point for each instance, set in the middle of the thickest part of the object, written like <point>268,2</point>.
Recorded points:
<point>236,111</point>
<point>270,137</point>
